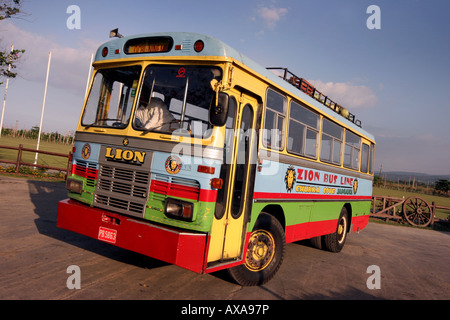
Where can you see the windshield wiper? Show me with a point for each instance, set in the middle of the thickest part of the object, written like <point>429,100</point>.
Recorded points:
<point>100,120</point>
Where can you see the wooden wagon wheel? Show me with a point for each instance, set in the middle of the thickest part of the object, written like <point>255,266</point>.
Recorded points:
<point>417,211</point>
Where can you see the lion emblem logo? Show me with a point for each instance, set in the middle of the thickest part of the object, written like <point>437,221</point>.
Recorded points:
<point>355,186</point>
<point>86,151</point>
<point>289,178</point>
<point>173,164</point>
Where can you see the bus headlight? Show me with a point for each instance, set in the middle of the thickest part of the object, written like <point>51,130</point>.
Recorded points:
<point>75,186</point>
<point>179,209</point>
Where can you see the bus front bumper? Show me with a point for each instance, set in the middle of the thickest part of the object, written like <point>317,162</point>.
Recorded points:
<point>179,247</point>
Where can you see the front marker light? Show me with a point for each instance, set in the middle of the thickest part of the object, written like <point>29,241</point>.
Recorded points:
<point>199,45</point>
<point>217,183</point>
<point>178,209</point>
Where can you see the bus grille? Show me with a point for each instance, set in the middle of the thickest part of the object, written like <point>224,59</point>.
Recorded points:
<point>129,207</point>
<point>86,170</point>
<point>122,189</point>
<point>123,181</point>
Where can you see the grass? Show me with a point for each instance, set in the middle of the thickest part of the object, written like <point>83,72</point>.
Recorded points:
<point>28,157</point>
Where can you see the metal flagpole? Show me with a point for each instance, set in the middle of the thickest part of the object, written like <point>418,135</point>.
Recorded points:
<point>4,98</point>
<point>43,105</point>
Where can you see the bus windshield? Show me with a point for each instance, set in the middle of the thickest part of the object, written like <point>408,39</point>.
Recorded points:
<point>111,97</point>
<point>176,97</point>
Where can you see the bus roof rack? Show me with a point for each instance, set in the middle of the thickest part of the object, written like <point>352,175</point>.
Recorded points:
<point>306,87</point>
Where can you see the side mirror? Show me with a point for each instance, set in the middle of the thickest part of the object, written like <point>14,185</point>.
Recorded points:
<point>218,112</point>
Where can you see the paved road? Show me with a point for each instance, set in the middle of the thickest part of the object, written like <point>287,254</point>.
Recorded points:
<point>35,255</point>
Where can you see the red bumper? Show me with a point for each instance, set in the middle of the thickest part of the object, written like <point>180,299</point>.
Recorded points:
<point>182,248</point>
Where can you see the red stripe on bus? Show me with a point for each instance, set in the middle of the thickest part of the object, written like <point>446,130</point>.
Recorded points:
<point>82,171</point>
<point>313,229</point>
<point>181,191</point>
<point>308,230</point>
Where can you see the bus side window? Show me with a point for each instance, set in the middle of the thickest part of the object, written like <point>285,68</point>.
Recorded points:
<point>372,157</point>
<point>274,121</point>
<point>303,131</point>
<point>352,150</point>
<point>332,136</point>
<point>365,158</point>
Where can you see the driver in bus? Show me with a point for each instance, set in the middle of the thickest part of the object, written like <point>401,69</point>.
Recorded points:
<point>154,116</point>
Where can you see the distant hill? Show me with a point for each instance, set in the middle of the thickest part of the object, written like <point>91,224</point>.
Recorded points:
<point>419,177</point>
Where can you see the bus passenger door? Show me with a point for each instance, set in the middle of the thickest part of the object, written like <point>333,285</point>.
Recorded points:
<point>234,200</point>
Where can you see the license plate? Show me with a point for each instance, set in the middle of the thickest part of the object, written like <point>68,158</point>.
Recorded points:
<point>107,235</point>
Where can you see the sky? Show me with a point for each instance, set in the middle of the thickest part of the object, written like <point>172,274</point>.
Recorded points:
<point>390,67</point>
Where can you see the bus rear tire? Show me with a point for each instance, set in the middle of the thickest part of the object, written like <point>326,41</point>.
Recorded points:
<point>265,253</point>
<point>334,242</point>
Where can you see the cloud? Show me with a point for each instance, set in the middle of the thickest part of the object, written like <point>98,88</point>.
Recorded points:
<point>271,15</point>
<point>69,65</point>
<point>69,70</point>
<point>347,94</point>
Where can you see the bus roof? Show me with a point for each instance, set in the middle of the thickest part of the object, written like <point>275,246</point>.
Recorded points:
<point>178,44</point>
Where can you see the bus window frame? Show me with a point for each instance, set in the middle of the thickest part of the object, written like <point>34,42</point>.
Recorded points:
<point>277,115</point>
<point>365,158</point>
<point>243,144</point>
<point>372,158</point>
<point>352,146</point>
<point>334,139</point>
<point>306,128</point>
<point>225,172</point>
<point>181,131</point>
<point>105,92</point>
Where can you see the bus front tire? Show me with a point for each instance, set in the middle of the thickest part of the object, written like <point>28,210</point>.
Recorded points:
<point>265,253</point>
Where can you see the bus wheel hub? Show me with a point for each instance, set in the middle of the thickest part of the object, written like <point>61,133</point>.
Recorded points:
<point>260,250</point>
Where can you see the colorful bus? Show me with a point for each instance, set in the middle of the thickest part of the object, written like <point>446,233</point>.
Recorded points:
<point>191,153</point>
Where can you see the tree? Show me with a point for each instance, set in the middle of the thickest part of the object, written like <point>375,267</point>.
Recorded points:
<point>34,132</point>
<point>9,8</point>
<point>377,181</point>
<point>442,185</point>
